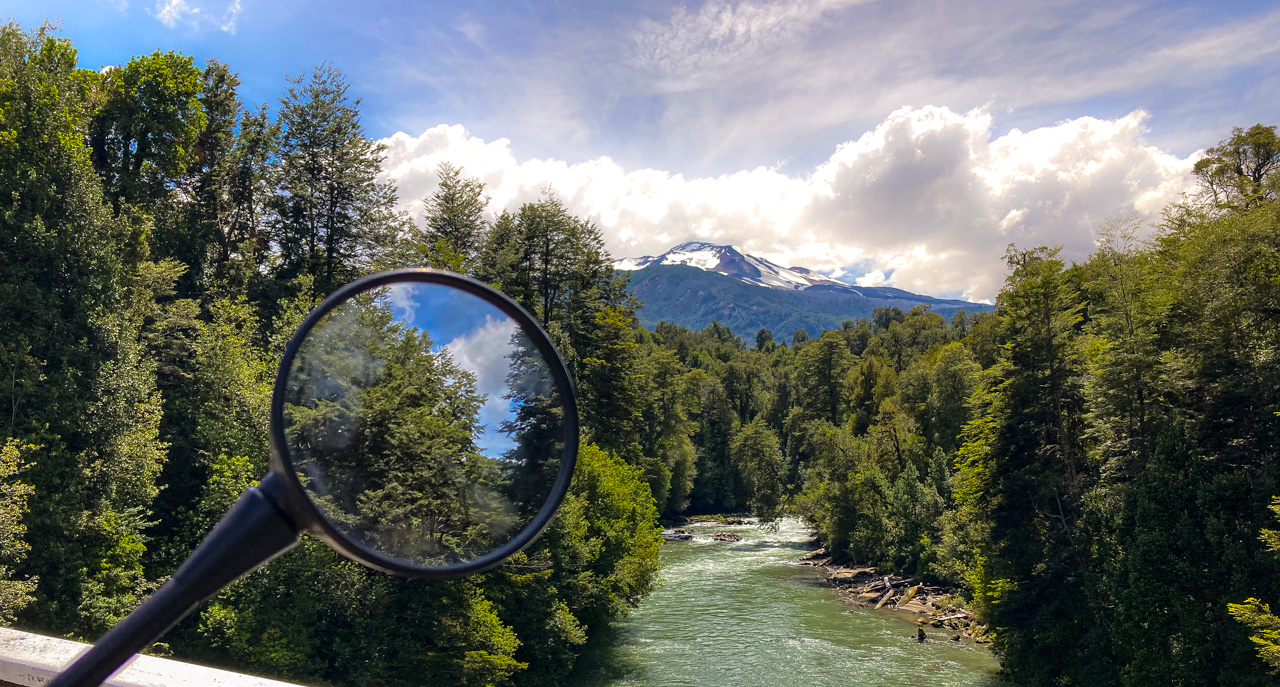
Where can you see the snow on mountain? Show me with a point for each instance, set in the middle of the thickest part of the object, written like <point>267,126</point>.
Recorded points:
<point>722,288</point>
<point>731,261</point>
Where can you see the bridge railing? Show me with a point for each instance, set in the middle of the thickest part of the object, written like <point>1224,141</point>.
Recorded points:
<point>31,660</point>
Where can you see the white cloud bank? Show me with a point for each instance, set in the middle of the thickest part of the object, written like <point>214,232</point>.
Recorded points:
<point>926,201</point>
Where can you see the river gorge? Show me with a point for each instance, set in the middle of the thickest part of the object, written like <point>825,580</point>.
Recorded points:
<point>744,614</point>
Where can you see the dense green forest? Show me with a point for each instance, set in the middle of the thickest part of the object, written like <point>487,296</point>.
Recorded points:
<point>1091,464</point>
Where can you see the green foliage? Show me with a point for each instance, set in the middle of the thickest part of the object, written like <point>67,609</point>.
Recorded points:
<point>875,498</point>
<point>868,386</point>
<point>1265,626</point>
<point>1240,172</point>
<point>1256,614</point>
<point>597,560</point>
<point>80,383</point>
<point>334,218</point>
<point>144,130</point>
<point>455,221</point>
<point>935,391</point>
<point>612,385</point>
<point>1090,463</point>
<point>754,451</point>
<point>821,367</point>
<point>15,594</point>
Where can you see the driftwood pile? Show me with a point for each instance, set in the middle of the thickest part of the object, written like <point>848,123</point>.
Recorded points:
<point>865,587</point>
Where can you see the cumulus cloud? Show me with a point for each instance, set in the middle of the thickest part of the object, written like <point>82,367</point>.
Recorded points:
<point>485,352</point>
<point>404,306</point>
<point>926,201</point>
<point>198,15</point>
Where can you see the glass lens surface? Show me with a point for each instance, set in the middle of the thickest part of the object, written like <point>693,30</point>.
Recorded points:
<point>423,423</point>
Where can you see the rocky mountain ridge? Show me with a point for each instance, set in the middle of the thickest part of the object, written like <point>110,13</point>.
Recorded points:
<point>697,282</point>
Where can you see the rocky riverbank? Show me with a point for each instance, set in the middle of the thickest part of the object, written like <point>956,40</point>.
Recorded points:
<point>761,620</point>
<point>932,606</point>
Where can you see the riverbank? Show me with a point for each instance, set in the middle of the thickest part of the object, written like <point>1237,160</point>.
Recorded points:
<point>928,605</point>
<point>745,613</point>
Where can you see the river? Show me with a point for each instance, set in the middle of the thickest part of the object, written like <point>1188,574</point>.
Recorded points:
<point>743,614</point>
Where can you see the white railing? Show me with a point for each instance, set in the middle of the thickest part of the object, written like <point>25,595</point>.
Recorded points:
<point>30,659</point>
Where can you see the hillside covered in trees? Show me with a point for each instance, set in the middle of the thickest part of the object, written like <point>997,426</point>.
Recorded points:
<point>693,298</point>
<point>1091,464</point>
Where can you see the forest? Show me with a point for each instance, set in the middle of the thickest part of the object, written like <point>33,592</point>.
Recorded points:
<point>1093,464</point>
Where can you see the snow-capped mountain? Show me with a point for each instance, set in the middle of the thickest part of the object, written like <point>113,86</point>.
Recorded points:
<point>731,261</point>
<point>697,283</point>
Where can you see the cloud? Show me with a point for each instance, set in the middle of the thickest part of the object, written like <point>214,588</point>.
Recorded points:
<point>927,200</point>
<point>710,86</point>
<point>198,15</point>
<point>691,48</point>
<point>485,352</point>
<point>828,65</point>
<point>401,297</point>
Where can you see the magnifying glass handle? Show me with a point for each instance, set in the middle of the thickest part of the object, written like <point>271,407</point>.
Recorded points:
<point>253,532</point>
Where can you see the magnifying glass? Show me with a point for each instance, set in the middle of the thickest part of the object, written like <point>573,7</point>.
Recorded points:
<point>422,424</point>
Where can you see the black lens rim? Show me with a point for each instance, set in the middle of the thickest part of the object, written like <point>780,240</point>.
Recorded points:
<point>306,513</point>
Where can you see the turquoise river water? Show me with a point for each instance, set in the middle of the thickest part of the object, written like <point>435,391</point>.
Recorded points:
<point>744,614</point>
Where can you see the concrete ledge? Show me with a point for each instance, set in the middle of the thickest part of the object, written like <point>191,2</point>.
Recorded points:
<point>31,659</point>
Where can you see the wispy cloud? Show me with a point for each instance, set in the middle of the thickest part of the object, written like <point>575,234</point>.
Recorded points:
<point>692,48</point>
<point>711,86</point>
<point>197,15</point>
<point>820,72</point>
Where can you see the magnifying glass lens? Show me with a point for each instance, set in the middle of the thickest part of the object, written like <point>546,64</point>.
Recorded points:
<point>423,423</point>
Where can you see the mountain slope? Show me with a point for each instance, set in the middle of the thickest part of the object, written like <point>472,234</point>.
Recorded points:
<point>730,261</point>
<point>697,282</point>
<point>692,297</point>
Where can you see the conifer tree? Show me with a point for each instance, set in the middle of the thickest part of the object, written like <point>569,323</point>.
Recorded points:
<point>821,367</point>
<point>333,217</point>
<point>455,223</point>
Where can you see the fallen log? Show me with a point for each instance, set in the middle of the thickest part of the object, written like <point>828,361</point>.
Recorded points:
<point>910,594</point>
<point>885,599</point>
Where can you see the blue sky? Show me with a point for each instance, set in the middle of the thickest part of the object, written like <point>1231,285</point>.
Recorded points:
<point>478,338</point>
<point>652,97</point>
<point>444,313</point>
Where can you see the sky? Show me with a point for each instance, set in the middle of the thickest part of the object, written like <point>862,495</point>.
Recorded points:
<point>477,336</point>
<point>884,141</point>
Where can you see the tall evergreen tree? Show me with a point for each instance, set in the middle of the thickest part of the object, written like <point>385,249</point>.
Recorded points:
<point>1023,469</point>
<point>455,223</point>
<point>333,217</point>
<point>821,367</point>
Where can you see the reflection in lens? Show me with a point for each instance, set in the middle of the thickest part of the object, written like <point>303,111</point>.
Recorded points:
<point>423,423</point>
